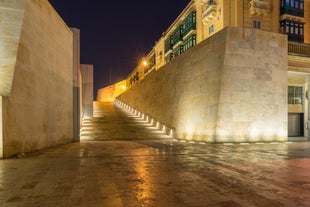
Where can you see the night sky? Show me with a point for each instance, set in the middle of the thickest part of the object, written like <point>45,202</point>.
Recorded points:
<point>115,35</point>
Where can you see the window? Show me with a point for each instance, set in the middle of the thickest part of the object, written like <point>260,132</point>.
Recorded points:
<point>168,44</point>
<point>294,30</point>
<point>189,23</point>
<point>177,35</point>
<point>211,29</point>
<point>293,7</point>
<point>301,30</point>
<point>178,50</point>
<point>295,95</point>
<point>189,42</point>
<point>287,28</point>
<point>256,24</point>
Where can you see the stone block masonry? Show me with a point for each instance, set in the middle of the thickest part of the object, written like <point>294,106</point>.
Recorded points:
<point>109,93</point>
<point>87,72</point>
<point>232,87</point>
<point>11,18</point>
<point>38,112</point>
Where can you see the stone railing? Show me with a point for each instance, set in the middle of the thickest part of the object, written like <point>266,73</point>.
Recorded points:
<point>299,49</point>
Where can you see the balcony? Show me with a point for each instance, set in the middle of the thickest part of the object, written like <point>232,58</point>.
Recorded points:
<point>292,11</point>
<point>299,49</point>
<point>260,7</point>
<point>189,24</point>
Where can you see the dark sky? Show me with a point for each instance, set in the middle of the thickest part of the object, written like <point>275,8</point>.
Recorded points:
<point>116,34</point>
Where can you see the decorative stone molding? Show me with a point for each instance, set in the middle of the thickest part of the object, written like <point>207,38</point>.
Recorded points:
<point>260,7</point>
<point>210,12</point>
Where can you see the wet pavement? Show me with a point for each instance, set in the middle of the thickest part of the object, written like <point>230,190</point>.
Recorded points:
<point>155,170</point>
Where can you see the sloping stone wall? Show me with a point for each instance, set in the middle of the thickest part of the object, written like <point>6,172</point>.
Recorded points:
<point>11,19</point>
<point>38,113</point>
<point>231,87</point>
<point>109,93</point>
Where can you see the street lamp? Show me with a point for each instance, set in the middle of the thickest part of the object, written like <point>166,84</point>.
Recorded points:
<point>145,63</point>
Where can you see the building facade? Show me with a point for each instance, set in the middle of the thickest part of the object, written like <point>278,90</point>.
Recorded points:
<point>202,19</point>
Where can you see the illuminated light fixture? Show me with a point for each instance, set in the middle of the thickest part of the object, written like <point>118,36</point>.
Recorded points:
<point>254,133</point>
<point>171,133</point>
<point>192,142</point>
<point>189,130</point>
<point>124,88</point>
<point>183,141</point>
<point>157,125</point>
<point>282,133</point>
<point>164,128</point>
<point>228,144</point>
<point>288,142</point>
<point>145,63</point>
<point>202,143</point>
<point>244,143</point>
<point>268,132</point>
<point>152,121</point>
<point>274,142</point>
<point>259,143</point>
<point>222,133</point>
<point>147,119</point>
<point>142,116</point>
<point>175,140</point>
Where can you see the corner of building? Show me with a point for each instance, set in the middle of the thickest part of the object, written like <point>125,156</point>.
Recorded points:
<point>87,73</point>
<point>1,129</point>
<point>77,103</point>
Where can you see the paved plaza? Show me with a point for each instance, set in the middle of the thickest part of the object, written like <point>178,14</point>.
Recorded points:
<point>122,161</point>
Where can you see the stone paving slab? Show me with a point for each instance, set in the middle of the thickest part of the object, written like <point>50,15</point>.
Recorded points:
<point>156,171</point>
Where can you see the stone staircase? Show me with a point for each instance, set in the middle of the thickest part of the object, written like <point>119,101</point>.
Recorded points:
<point>112,123</point>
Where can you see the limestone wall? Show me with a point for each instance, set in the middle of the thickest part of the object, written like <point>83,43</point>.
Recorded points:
<point>231,87</point>
<point>1,128</point>
<point>77,101</point>
<point>11,18</point>
<point>87,73</point>
<point>109,93</point>
<point>39,111</point>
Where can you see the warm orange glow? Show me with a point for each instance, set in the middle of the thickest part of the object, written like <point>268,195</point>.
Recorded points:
<point>145,63</point>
